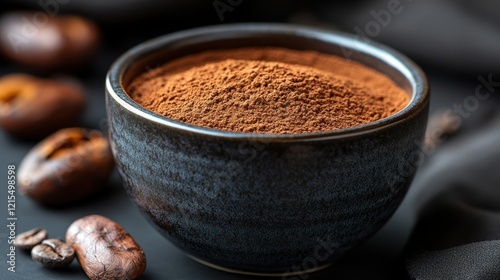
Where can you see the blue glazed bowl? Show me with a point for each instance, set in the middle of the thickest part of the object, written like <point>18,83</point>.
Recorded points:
<point>265,203</point>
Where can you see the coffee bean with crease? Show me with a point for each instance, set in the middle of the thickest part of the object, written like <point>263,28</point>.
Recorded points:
<point>44,42</point>
<point>29,239</point>
<point>33,108</point>
<point>104,249</point>
<point>53,253</point>
<point>67,166</point>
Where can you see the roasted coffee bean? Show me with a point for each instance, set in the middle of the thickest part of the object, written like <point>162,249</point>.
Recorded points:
<point>29,239</point>
<point>440,127</point>
<point>33,108</point>
<point>104,249</point>
<point>69,165</point>
<point>47,43</point>
<point>53,253</point>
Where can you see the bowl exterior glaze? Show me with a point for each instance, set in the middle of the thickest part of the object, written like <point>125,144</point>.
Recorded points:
<point>264,204</point>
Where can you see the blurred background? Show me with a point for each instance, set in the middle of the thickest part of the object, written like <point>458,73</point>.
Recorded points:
<point>455,42</point>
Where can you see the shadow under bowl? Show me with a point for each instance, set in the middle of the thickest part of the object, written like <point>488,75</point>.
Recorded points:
<point>265,203</point>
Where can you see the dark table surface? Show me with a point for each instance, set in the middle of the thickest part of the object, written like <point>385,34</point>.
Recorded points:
<point>377,258</point>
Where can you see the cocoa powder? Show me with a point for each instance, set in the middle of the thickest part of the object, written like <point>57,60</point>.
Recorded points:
<point>268,90</point>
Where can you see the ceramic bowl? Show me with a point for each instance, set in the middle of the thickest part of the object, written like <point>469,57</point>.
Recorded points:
<point>265,203</point>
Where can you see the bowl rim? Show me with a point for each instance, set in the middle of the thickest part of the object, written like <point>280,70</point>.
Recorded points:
<point>404,65</point>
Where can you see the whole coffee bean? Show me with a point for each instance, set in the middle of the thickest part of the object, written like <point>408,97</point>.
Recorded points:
<point>69,165</point>
<point>29,239</point>
<point>104,249</point>
<point>47,42</point>
<point>53,253</point>
<point>33,108</point>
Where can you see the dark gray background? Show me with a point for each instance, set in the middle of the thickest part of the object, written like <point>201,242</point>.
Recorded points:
<point>453,42</point>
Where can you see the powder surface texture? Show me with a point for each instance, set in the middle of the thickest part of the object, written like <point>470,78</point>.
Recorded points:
<point>268,90</point>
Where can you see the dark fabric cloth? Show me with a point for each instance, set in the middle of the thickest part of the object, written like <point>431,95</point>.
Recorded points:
<point>455,202</point>
<point>456,36</point>
<point>472,261</point>
<point>449,222</point>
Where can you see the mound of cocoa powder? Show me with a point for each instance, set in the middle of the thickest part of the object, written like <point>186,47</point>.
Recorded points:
<point>268,90</point>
